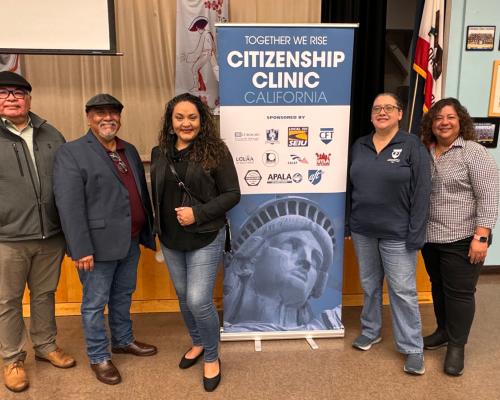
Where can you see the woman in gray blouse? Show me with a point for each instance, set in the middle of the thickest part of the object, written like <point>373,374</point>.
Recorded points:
<point>463,211</point>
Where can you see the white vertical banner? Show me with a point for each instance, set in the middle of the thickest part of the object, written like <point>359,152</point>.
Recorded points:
<point>285,106</point>
<point>197,71</point>
<point>10,62</point>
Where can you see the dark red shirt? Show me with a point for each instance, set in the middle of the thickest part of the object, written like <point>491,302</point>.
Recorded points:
<point>127,177</point>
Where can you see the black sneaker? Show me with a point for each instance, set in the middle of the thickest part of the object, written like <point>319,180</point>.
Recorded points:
<point>436,340</point>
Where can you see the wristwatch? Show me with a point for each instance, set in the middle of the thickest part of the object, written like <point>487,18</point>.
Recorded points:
<point>482,239</point>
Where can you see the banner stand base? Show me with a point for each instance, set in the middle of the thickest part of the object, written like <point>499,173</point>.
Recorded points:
<point>257,337</point>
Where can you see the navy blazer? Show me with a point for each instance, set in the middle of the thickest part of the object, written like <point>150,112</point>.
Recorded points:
<point>93,203</point>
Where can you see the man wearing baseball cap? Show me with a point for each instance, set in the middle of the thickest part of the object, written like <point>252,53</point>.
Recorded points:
<point>104,204</point>
<point>31,241</point>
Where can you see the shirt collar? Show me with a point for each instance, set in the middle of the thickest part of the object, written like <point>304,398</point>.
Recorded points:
<point>120,145</point>
<point>9,123</point>
<point>399,137</point>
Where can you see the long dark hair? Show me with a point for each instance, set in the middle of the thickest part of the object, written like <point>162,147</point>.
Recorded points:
<point>466,124</point>
<point>208,148</point>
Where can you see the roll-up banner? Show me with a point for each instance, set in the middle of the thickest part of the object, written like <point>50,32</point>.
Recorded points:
<point>285,95</point>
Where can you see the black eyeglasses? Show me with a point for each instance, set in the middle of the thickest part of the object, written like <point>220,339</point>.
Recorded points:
<point>122,167</point>
<point>17,93</point>
<point>388,108</point>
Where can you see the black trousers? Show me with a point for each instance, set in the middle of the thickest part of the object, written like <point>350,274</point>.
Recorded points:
<point>453,280</point>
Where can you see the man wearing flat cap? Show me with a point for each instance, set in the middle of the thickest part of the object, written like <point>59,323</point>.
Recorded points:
<point>105,211</point>
<point>31,241</point>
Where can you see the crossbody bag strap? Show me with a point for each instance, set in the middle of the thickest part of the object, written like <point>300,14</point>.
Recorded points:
<point>181,184</point>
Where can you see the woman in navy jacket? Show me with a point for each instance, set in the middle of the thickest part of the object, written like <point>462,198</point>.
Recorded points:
<point>389,191</point>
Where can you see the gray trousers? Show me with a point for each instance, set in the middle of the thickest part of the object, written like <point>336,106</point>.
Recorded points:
<point>36,263</point>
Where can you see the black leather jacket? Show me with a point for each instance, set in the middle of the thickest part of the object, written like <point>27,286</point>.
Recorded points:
<point>217,191</point>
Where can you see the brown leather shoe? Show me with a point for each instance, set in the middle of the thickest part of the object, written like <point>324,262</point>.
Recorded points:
<point>106,372</point>
<point>14,376</point>
<point>58,358</point>
<point>137,349</point>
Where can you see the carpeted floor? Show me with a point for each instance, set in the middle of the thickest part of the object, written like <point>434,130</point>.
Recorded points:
<point>287,369</point>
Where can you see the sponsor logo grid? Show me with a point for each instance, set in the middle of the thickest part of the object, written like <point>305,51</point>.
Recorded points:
<point>288,160</point>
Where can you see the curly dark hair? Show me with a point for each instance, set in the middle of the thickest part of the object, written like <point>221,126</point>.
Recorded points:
<point>465,120</point>
<point>208,148</point>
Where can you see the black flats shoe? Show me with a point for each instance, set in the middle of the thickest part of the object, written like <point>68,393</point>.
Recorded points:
<point>189,362</point>
<point>454,361</point>
<point>210,384</point>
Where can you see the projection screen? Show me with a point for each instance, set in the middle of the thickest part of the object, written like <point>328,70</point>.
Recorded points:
<point>58,27</point>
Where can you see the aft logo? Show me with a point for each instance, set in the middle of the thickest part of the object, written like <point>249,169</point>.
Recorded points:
<point>298,136</point>
<point>284,178</point>
<point>326,135</point>
<point>270,158</point>
<point>246,159</point>
<point>295,159</point>
<point>395,156</point>
<point>323,159</point>
<point>272,136</point>
<point>314,176</point>
<point>252,177</point>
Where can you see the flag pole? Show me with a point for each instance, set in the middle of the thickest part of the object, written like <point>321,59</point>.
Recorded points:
<point>412,109</point>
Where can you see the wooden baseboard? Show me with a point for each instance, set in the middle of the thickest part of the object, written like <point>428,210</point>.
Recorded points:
<point>490,269</point>
<point>172,305</point>
<point>357,299</point>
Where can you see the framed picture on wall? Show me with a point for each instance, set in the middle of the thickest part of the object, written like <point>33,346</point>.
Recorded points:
<point>480,38</point>
<point>494,109</point>
<point>486,130</point>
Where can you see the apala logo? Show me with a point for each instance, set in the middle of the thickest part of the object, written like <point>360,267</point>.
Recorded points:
<point>252,177</point>
<point>314,176</point>
<point>270,158</point>
<point>295,159</point>
<point>272,136</point>
<point>284,178</point>
<point>326,135</point>
<point>298,136</point>
<point>323,159</point>
<point>245,159</point>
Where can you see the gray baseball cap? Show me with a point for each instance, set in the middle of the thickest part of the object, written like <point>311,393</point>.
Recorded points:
<point>103,99</point>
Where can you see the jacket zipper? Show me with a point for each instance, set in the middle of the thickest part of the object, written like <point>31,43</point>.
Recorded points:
<point>18,159</point>
<point>37,195</point>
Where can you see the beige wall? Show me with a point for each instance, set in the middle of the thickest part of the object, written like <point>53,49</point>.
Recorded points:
<point>143,79</point>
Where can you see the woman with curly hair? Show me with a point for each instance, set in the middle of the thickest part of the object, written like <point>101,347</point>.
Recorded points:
<point>194,184</point>
<point>463,211</point>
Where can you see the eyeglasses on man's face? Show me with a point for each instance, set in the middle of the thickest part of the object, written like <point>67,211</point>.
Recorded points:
<point>122,167</point>
<point>388,108</point>
<point>17,93</point>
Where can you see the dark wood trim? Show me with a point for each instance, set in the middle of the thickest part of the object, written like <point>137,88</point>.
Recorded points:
<point>490,269</point>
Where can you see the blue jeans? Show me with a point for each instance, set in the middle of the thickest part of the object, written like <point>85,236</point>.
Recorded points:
<point>390,258</point>
<point>193,274</point>
<point>111,283</point>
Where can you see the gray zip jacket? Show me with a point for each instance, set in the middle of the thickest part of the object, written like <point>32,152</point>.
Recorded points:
<point>27,207</point>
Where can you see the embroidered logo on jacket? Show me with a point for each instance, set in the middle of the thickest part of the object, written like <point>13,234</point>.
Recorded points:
<point>395,155</point>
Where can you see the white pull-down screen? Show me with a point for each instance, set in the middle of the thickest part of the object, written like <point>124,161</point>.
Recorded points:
<point>58,26</point>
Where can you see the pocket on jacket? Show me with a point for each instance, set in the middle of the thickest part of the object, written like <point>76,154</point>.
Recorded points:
<point>97,223</point>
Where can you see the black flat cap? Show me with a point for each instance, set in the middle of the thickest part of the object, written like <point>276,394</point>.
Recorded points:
<point>103,99</point>
<point>11,79</point>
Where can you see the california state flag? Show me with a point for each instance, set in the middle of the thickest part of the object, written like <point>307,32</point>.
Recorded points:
<point>10,62</point>
<point>428,61</point>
